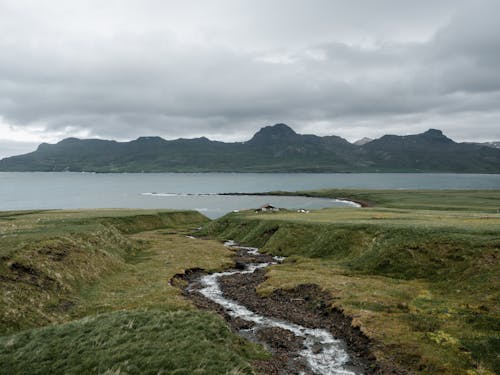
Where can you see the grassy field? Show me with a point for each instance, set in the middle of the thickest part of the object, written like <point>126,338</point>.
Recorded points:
<point>48,257</point>
<point>97,283</point>
<point>422,284</point>
<point>461,200</point>
<point>88,291</point>
<point>144,283</point>
<point>130,342</point>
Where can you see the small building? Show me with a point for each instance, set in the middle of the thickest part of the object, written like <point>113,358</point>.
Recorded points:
<point>267,207</point>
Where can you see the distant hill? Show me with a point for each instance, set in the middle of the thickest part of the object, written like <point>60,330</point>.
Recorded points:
<point>272,149</point>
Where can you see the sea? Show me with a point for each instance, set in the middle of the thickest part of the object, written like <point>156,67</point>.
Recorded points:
<point>200,191</point>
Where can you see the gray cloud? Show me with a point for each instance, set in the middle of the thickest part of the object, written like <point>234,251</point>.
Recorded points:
<point>130,68</point>
<point>9,148</point>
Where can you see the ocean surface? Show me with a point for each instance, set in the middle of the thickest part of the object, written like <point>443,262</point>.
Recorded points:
<point>37,190</point>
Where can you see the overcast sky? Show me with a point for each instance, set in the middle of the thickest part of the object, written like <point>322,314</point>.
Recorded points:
<point>224,68</point>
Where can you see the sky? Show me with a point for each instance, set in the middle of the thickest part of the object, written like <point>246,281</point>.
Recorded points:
<point>120,69</point>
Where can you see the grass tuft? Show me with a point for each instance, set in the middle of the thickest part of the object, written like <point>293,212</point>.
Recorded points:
<point>130,342</point>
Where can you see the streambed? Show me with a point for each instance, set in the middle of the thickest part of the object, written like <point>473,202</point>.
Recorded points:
<point>295,327</point>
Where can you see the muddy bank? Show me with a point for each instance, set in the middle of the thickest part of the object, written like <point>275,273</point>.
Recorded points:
<point>305,305</point>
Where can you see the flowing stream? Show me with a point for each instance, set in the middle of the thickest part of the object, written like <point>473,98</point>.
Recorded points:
<point>330,359</point>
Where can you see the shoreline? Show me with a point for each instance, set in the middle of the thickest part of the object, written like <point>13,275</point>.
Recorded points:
<point>357,202</point>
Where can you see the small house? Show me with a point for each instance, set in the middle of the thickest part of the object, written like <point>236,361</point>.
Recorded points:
<point>268,207</point>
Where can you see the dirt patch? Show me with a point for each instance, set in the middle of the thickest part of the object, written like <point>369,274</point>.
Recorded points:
<point>21,273</point>
<point>306,305</point>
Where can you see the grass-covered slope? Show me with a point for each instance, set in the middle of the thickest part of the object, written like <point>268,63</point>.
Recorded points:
<point>143,282</point>
<point>48,256</point>
<point>423,284</point>
<point>130,342</point>
<point>96,282</point>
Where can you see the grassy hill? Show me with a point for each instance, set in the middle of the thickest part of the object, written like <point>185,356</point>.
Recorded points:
<point>88,292</point>
<point>130,342</point>
<point>422,284</point>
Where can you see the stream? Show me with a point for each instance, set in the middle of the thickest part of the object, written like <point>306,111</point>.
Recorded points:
<point>319,351</point>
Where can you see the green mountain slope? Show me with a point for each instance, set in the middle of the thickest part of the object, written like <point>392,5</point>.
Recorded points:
<point>272,149</point>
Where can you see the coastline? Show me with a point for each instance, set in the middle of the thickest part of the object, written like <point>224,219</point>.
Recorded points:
<point>351,201</point>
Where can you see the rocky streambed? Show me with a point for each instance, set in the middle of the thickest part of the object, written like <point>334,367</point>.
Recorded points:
<point>299,327</point>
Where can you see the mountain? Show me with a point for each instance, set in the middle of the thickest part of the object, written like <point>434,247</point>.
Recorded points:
<point>492,144</point>
<point>487,144</point>
<point>362,141</point>
<point>275,148</point>
<point>430,151</point>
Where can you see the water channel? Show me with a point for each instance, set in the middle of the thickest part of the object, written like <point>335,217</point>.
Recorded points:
<point>323,353</point>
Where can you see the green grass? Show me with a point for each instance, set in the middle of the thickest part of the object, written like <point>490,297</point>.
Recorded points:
<point>419,274</point>
<point>130,342</point>
<point>422,284</point>
<point>143,283</point>
<point>461,200</point>
<point>47,257</point>
<point>97,283</point>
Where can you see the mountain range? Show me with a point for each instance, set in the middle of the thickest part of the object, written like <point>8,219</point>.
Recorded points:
<point>275,148</point>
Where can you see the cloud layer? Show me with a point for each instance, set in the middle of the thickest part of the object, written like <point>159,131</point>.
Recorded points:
<point>121,69</point>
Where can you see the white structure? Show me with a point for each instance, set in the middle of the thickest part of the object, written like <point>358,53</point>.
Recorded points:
<point>268,207</point>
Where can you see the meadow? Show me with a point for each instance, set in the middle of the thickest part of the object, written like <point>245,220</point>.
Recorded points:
<point>422,284</point>
<point>88,292</point>
<point>446,200</point>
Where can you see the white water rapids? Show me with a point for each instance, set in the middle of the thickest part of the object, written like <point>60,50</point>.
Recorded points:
<point>332,357</point>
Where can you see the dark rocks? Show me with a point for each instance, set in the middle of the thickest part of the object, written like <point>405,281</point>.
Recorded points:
<point>280,339</point>
<point>239,265</point>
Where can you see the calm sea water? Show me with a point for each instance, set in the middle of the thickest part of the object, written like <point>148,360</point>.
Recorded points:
<point>35,190</point>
